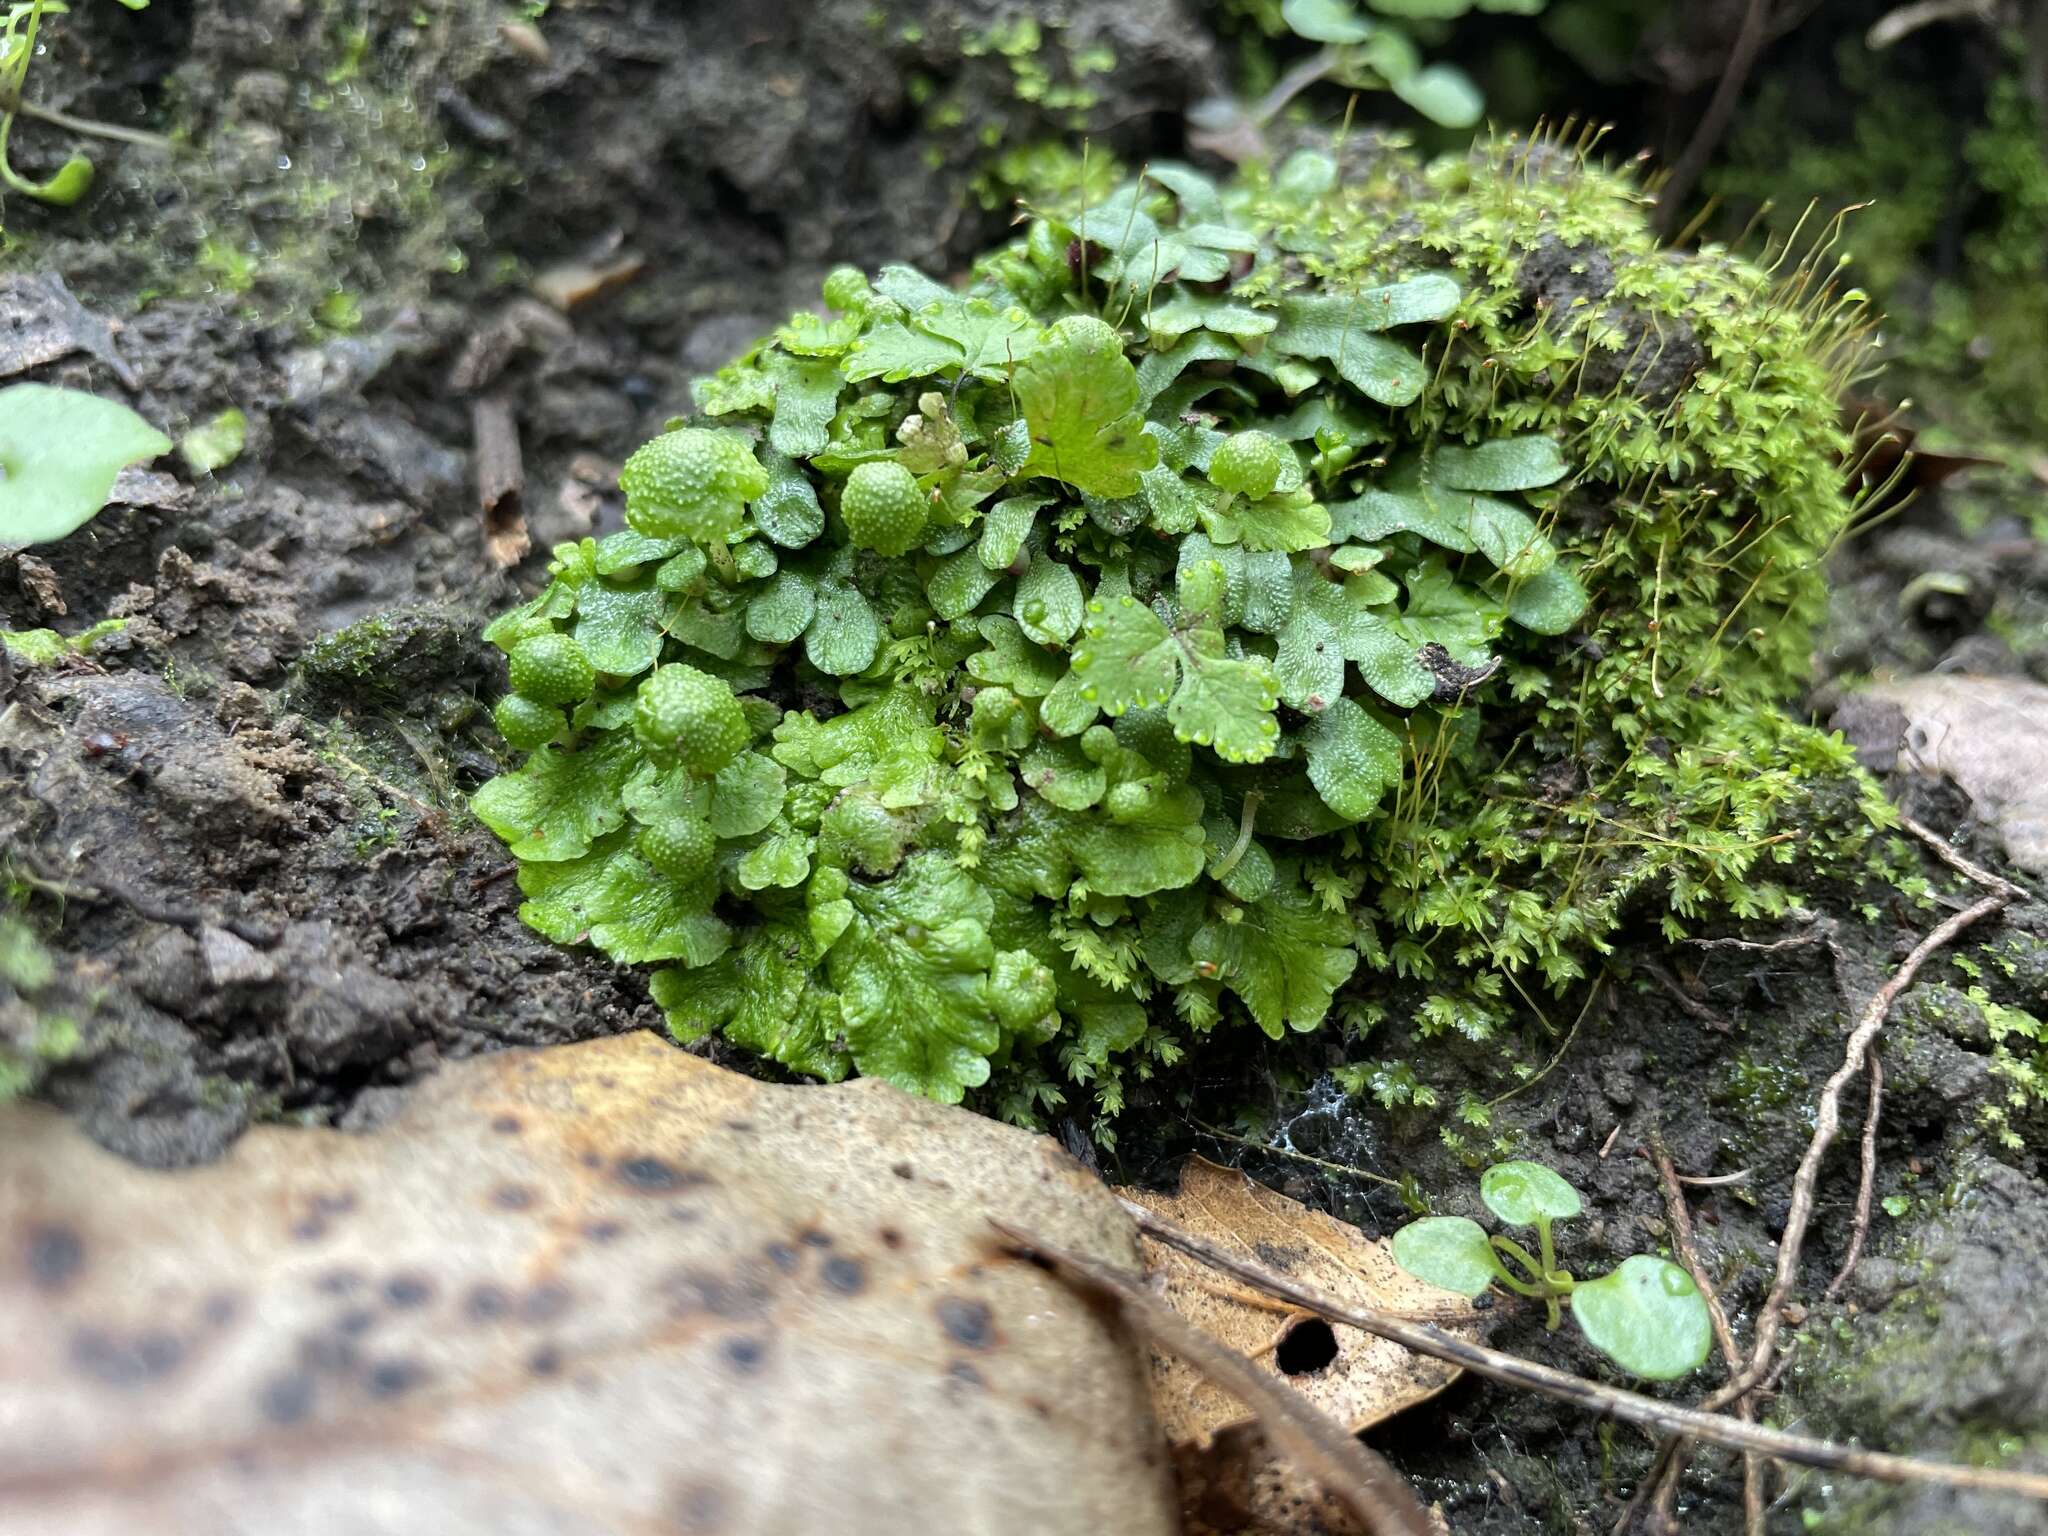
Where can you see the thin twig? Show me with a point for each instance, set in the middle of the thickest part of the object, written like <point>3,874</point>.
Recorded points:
<point>1866,1185</point>
<point>1683,1241</point>
<point>1687,1246</point>
<point>1706,138</point>
<point>1827,1121</point>
<point>1715,1181</point>
<point>1316,1443</point>
<point>1797,941</point>
<point>1866,1179</point>
<point>1685,1000</point>
<point>1291,85</point>
<point>1944,851</point>
<point>384,785</point>
<point>10,102</point>
<point>1630,1407</point>
<point>1646,1490</point>
<point>1908,19</point>
<point>1570,1035</point>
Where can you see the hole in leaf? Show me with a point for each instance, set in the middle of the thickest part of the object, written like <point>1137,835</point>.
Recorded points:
<point>1307,1347</point>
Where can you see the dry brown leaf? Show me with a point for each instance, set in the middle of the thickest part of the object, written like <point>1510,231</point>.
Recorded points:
<point>1230,1482</point>
<point>1367,1380</point>
<point>1238,1486</point>
<point>605,1287</point>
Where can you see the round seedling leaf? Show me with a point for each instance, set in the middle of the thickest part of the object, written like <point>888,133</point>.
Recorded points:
<point>1647,1317</point>
<point>60,450</point>
<point>1444,94</point>
<point>1450,1251</point>
<point>1523,1194</point>
<point>1325,21</point>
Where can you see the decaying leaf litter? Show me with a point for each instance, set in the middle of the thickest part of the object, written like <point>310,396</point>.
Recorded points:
<point>383,932</point>
<point>601,1287</point>
<point>611,1282</point>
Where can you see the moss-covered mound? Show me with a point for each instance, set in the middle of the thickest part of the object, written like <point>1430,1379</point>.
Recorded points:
<point>1326,597</point>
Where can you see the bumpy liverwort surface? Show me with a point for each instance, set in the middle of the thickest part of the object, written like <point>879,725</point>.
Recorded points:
<point>1309,597</point>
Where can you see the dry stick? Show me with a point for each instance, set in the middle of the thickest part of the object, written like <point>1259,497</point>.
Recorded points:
<point>500,479</point>
<point>1651,1488</point>
<point>1866,1186</point>
<point>1823,935</point>
<point>1629,1407</point>
<point>1940,848</point>
<point>1706,138</point>
<point>1688,1254</point>
<point>1866,1180</point>
<point>1797,941</point>
<point>1827,1121</point>
<point>10,102</point>
<point>1715,1181</point>
<point>1321,1447</point>
<point>1347,1169</point>
<point>1685,1000</point>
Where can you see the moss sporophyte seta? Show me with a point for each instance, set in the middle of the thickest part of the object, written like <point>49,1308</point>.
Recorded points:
<point>1317,600</point>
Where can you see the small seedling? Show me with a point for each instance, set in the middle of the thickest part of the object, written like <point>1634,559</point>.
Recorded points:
<point>19,24</point>
<point>1646,1316</point>
<point>60,450</point>
<point>1377,53</point>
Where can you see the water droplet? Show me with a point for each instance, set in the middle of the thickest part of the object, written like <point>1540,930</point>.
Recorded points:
<point>1676,1282</point>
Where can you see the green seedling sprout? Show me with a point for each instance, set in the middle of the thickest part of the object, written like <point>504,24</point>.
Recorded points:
<point>60,450</point>
<point>19,25</point>
<point>1647,1315</point>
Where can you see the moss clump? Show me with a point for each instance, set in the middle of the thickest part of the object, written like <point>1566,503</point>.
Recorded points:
<point>1923,1359</point>
<point>33,1036</point>
<point>1951,228</point>
<point>323,172</point>
<point>388,657</point>
<point>1142,741</point>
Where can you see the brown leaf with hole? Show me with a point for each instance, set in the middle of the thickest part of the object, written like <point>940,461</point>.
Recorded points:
<point>604,1287</point>
<point>1229,1480</point>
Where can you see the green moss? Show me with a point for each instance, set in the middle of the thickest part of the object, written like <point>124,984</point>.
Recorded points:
<point>1693,399</point>
<point>1960,324</point>
<point>1566,495</point>
<point>388,657</point>
<point>1016,62</point>
<point>289,212</point>
<point>1050,175</point>
<point>1923,1367</point>
<point>41,647</point>
<point>1752,1088</point>
<point>35,1033</point>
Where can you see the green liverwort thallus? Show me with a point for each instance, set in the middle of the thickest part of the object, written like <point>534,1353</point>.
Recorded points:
<point>1013,681</point>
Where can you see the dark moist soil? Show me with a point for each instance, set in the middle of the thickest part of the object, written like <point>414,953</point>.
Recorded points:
<point>240,826</point>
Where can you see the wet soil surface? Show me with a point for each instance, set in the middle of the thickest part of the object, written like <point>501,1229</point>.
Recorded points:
<point>239,825</point>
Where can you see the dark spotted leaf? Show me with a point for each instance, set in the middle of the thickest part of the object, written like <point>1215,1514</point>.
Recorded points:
<point>612,1249</point>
